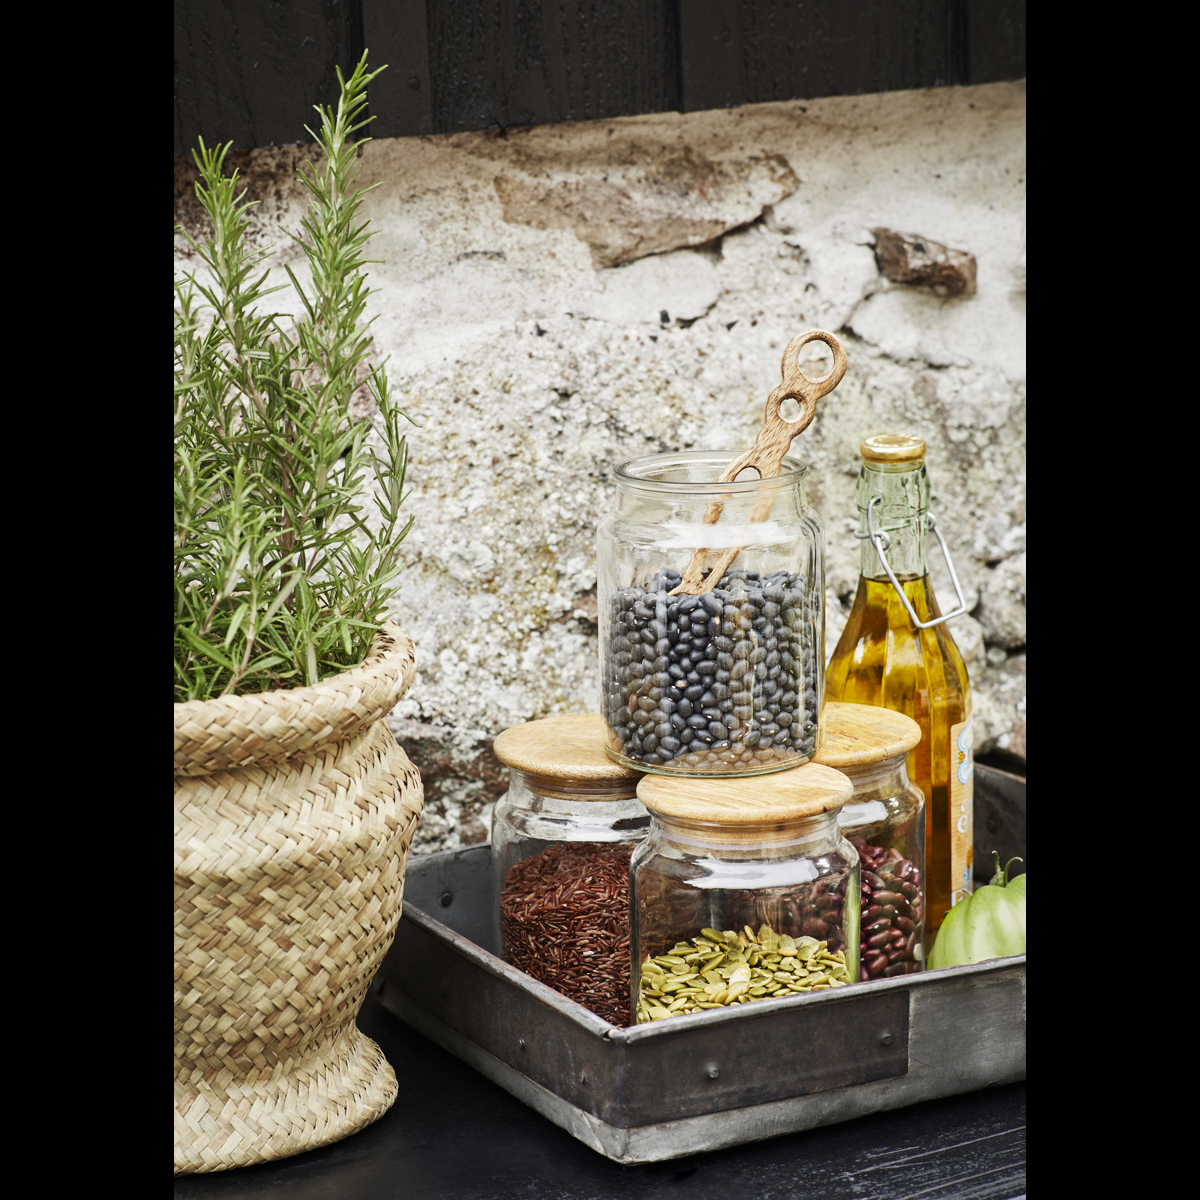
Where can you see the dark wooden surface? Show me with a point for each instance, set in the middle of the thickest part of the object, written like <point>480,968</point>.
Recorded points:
<point>251,70</point>
<point>453,1135</point>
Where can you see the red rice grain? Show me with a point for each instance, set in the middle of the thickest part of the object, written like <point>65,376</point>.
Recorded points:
<point>564,916</point>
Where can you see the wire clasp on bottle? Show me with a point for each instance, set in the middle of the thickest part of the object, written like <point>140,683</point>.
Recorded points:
<point>881,542</point>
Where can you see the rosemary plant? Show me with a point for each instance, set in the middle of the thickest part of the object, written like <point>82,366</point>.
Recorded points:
<point>282,576</point>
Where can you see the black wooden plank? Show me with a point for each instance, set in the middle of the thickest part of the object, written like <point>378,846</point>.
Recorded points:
<point>504,63</point>
<point>710,41</point>
<point>401,99</point>
<point>249,71</point>
<point>750,51</point>
<point>996,40</point>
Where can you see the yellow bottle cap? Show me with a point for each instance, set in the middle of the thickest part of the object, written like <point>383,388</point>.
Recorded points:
<point>892,448</point>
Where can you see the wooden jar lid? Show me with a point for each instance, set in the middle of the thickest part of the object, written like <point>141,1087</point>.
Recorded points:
<point>805,791</point>
<point>568,748</point>
<point>854,736</point>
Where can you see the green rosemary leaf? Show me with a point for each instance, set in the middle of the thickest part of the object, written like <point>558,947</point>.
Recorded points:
<point>280,577</point>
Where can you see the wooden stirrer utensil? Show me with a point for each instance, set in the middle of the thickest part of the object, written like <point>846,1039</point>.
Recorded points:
<point>771,444</point>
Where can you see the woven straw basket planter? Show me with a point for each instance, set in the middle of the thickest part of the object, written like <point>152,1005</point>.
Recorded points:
<point>294,813</point>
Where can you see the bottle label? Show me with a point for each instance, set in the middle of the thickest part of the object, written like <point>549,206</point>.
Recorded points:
<point>962,826</point>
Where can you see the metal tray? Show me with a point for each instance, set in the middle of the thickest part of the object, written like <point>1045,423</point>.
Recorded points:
<point>699,1082</point>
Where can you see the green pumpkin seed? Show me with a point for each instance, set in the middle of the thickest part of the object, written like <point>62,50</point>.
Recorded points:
<point>719,970</point>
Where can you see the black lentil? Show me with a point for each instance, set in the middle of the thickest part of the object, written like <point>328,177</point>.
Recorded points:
<point>720,682</point>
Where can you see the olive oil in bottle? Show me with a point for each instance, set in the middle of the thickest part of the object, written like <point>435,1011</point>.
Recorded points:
<point>883,659</point>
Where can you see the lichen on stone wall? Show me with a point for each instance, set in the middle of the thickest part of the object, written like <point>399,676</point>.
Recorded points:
<point>533,367</point>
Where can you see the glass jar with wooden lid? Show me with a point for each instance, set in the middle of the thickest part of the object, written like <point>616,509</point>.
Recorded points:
<point>745,889</point>
<point>561,841</point>
<point>885,820</point>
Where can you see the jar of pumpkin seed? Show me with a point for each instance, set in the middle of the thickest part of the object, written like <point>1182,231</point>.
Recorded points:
<point>744,890</point>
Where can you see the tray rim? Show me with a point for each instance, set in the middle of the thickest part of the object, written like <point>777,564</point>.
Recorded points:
<point>633,1034</point>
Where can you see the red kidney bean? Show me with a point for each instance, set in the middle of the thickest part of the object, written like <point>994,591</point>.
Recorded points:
<point>813,927</point>
<point>892,909</point>
<point>864,975</point>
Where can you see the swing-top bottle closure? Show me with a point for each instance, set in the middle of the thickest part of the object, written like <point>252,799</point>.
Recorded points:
<point>895,452</point>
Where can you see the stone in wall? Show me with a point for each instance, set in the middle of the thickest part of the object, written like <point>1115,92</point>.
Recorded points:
<point>656,202</point>
<point>1002,604</point>
<point>916,259</point>
<point>533,368</point>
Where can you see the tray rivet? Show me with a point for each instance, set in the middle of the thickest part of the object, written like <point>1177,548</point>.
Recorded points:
<point>886,1039</point>
<point>713,1071</point>
<point>446,899</point>
<point>521,1043</point>
<point>583,1080</point>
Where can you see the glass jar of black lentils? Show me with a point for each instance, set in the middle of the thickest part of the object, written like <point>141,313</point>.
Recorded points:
<point>744,890</point>
<point>885,821</point>
<point>730,681</point>
<point>562,837</point>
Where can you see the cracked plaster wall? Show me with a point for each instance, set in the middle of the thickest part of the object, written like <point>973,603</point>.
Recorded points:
<point>555,300</point>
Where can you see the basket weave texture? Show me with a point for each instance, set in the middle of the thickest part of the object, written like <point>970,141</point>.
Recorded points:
<point>294,813</point>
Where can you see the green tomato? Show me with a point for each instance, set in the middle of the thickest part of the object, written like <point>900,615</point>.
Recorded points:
<point>988,924</point>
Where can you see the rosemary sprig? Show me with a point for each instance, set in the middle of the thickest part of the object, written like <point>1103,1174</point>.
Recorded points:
<point>280,577</point>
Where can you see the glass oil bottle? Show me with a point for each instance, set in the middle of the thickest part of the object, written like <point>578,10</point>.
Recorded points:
<point>896,652</point>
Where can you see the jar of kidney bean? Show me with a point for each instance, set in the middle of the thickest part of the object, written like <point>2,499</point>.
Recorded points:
<point>561,841</point>
<point>744,890</point>
<point>885,820</point>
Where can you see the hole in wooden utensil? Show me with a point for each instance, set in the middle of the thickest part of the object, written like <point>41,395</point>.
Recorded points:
<point>815,361</point>
<point>742,477</point>
<point>790,410</point>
